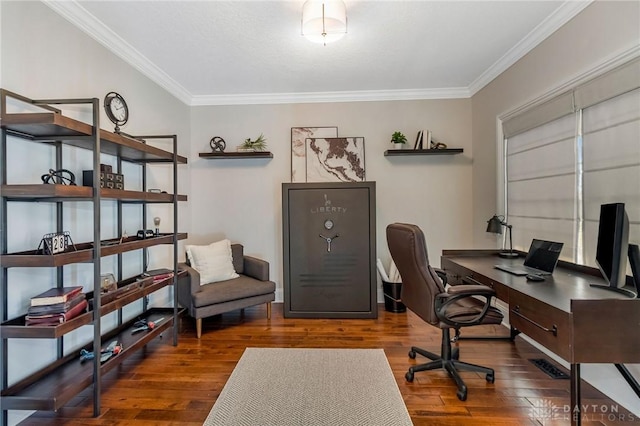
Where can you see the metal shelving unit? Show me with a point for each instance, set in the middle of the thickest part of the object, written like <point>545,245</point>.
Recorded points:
<point>52,386</point>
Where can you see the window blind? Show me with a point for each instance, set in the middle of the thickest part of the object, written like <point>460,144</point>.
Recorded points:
<point>541,194</point>
<point>611,140</point>
<point>566,156</point>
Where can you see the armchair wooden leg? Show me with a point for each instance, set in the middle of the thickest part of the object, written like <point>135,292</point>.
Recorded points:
<point>198,327</point>
<point>268,310</point>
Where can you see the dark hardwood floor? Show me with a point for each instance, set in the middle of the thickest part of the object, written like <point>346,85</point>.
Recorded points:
<point>167,385</point>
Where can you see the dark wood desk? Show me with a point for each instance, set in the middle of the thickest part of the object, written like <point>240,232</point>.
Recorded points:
<point>580,323</point>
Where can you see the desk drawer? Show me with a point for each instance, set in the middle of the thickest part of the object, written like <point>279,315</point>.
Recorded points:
<point>545,324</point>
<point>457,274</point>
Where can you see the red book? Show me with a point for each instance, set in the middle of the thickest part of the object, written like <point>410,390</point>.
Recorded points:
<point>159,274</point>
<point>55,295</point>
<point>55,319</point>
<point>157,278</point>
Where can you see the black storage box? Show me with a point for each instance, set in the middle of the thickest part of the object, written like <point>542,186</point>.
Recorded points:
<point>107,179</point>
<point>392,301</point>
<point>87,178</point>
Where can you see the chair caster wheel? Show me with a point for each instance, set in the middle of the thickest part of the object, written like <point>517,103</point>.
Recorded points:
<point>462,395</point>
<point>412,354</point>
<point>409,376</point>
<point>490,378</point>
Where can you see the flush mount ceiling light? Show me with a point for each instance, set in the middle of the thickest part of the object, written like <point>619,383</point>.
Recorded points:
<point>324,21</point>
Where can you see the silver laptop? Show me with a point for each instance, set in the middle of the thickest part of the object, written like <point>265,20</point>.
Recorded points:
<point>541,259</point>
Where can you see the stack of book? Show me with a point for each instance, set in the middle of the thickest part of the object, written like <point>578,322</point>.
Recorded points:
<point>56,305</point>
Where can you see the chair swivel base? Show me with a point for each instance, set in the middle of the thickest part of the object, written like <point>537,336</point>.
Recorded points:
<point>449,361</point>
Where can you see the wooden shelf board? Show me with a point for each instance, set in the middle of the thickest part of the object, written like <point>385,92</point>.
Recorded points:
<point>448,151</point>
<point>16,328</point>
<point>230,155</point>
<point>51,388</point>
<point>84,252</point>
<point>53,127</point>
<point>43,192</point>
<point>44,125</point>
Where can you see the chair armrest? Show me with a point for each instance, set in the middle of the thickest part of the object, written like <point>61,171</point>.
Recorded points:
<point>256,268</point>
<point>471,290</point>
<point>184,284</point>
<point>193,277</point>
<point>455,293</point>
<point>442,274</point>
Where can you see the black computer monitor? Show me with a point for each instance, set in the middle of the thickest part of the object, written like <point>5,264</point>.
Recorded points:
<point>612,247</point>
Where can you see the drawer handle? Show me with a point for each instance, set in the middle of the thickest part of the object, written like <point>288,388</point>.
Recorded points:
<point>553,330</point>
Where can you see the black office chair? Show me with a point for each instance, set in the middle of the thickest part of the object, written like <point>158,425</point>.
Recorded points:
<point>423,293</point>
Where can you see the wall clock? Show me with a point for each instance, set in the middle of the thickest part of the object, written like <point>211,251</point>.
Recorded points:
<point>116,109</point>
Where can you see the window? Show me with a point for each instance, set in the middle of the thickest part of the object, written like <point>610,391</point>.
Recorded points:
<point>568,155</point>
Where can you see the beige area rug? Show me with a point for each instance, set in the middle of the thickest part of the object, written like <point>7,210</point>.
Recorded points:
<point>306,387</point>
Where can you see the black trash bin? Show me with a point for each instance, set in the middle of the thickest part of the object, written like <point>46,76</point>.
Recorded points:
<point>392,301</point>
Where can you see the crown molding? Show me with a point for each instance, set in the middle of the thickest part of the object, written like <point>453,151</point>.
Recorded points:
<point>73,12</point>
<point>319,97</point>
<point>557,19</point>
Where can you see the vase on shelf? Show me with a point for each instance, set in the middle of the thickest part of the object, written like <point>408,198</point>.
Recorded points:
<point>398,145</point>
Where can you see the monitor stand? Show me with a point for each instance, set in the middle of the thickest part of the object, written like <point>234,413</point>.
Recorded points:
<point>634,261</point>
<point>624,290</point>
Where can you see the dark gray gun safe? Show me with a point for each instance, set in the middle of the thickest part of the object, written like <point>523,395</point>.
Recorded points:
<point>329,246</point>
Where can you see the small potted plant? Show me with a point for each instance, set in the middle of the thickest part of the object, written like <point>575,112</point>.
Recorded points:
<point>398,140</point>
<point>260,144</point>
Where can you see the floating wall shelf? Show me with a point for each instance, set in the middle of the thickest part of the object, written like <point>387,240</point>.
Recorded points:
<point>448,151</point>
<point>229,155</point>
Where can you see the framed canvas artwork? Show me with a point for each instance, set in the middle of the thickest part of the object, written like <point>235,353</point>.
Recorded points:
<point>298,150</point>
<point>335,159</point>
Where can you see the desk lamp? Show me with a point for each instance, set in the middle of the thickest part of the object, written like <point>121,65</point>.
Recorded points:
<point>494,225</point>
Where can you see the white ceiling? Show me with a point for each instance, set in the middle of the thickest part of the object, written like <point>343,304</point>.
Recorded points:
<point>242,52</point>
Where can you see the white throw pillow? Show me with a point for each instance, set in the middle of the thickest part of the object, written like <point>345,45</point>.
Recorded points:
<point>214,262</point>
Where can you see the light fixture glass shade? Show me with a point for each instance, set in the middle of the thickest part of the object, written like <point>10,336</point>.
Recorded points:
<point>324,21</point>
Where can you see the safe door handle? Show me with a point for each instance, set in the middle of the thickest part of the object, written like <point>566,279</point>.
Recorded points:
<point>553,330</point>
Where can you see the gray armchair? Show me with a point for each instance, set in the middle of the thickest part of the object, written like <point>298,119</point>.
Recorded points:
<point>251,288</point>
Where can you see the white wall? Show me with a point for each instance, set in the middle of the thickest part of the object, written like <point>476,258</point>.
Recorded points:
<point>241,199</point>
<point>598,33</point>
